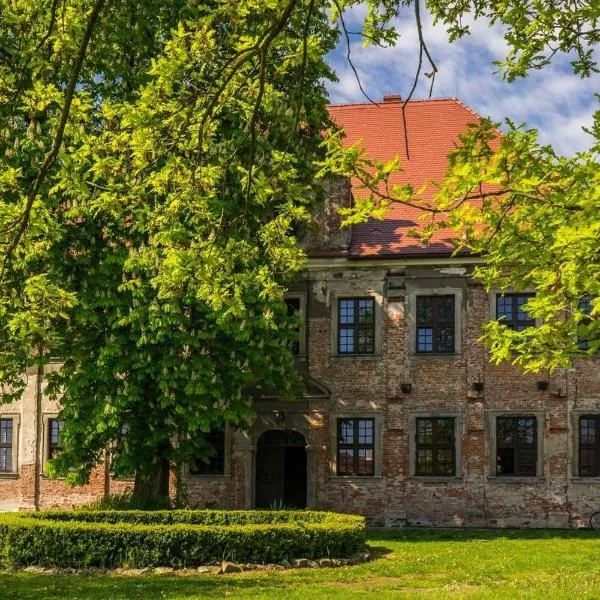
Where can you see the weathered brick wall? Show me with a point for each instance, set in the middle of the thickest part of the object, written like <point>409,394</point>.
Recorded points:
<point>372,386</point>
<point>444,384</point>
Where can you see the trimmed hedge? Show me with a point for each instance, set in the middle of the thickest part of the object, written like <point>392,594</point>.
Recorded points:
<point>178,538</point>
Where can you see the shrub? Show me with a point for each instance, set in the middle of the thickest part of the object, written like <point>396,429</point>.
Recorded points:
<point>179,538</point>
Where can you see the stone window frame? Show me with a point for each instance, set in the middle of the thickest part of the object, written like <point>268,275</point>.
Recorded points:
<point>226,461</point>
<point>302,345</point>
<point>350,294</point>
<point>573,453</point>
<point>378,417</point>
<point>16,434</point>
<point>411,319</point>
<point>491,426</point>
<point>413,415</point>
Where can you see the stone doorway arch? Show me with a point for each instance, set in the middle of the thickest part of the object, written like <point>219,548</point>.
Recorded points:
<point>281,469</point>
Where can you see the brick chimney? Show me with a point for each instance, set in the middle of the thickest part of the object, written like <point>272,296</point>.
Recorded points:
<point>392,98</point>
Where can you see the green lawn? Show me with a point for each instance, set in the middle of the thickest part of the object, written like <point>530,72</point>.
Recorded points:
<point>421,563</point>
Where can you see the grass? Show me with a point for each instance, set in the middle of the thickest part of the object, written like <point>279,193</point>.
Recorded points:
<point>421,563</point>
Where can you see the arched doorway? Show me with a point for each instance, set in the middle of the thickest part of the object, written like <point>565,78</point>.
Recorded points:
<point>281,469</point>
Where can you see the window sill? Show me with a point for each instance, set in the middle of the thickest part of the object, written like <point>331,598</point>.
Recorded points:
<point>519,480</point>
<point>350,356</point>
<point>9,476</point>
<point>357,478</point>
<point>434,355</point>
<point>436,478</point>
<point>585,480</point>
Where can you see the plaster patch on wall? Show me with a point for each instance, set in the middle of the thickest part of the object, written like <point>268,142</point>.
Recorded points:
<point>451,270</point>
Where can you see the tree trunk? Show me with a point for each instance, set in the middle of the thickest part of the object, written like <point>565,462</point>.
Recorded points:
<point>153,489</point>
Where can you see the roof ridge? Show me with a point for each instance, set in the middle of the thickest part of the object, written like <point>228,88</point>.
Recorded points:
<point>380,104</point>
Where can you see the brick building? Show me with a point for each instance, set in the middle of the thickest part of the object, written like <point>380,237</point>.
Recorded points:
<point>402,417</point>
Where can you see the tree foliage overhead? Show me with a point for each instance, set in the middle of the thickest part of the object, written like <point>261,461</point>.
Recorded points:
<point>155,159</point>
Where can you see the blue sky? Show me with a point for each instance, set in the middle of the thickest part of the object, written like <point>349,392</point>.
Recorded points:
<point>553,100</point>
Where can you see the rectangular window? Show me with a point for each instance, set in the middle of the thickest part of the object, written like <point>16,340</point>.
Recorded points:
<point>356,447</point>
<point>55,428</point>
<point>356,325</point>
<point>509,311</point>
<point>215,464</point>
<point>6,446</point>
<point>516,446</point>
<point>585,306</point>
<point>589,446</point>
<point>436,446</point>
<point>293,310</point>
<point>435,324</point>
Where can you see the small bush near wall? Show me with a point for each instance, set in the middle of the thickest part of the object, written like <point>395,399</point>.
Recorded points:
<point>178,538</point>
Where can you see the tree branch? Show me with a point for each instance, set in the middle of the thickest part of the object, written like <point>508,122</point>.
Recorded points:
<point>58,137</point>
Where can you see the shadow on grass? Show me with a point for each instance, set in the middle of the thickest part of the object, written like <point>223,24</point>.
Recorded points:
<point>427,534</point>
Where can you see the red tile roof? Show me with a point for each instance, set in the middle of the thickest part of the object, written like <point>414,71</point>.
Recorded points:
<point>433,128</point>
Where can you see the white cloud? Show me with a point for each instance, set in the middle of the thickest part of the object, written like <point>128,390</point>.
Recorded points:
<point>553,100</point>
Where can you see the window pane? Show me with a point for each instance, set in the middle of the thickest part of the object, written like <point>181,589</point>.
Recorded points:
<point>56,428</point>
<point>366,342</point>
<point>365,431</point>
<point>587,431</point>
<point>521,314</point>
<point>424,431</point>
<point>424,461</point>
<point>366,311</point>
<point>293,306</point>
<point>435,324</point>
<point>516,446</point>
<point>445,431</point>
<point>445,462</point>
<point>526,462</point>
<point>505,428</point>
<point>346,432</point>
<point>589,446</point>
<point>505,461</point>
<point>346,340</point>
<point>347,312</point>
<point>424,309</point>
<point>435,446</point>
<point>587,462</point>
<point>425,339</point>
<point>6,427</point>
<point>526,431</point>
<point>356,450</point>
<point>446,309</point>
<point>6,460</point>
<point>356,326</point>
<point>365,461</point>
<point>446,339</point>
<point>504,308</point>
<point>345,461</point>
